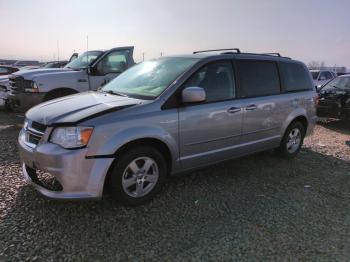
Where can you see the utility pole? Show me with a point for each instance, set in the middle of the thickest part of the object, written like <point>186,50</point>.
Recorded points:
<point>87,47</point>
<point>58,52</point>
<point>161,53</point>
<point>143,56</point>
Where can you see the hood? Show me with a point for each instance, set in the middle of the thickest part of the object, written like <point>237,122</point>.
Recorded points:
<point>76,108</point>
<point>30,74</point>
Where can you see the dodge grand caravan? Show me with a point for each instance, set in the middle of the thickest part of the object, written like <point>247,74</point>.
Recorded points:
<point>163,117</point>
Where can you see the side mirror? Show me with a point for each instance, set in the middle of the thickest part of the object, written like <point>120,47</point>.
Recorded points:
<point>193,95</point>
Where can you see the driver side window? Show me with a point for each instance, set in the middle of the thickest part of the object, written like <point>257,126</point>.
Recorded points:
<point>114,62</point>
<point>217,81</point>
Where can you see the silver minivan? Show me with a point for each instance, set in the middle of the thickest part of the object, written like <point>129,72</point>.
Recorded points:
<point>164,117</point>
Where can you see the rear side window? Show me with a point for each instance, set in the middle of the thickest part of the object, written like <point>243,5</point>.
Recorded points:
<point>295,77</point>
<point>258,78</point>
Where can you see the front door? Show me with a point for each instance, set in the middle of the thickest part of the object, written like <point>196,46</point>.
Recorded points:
<point>110,66</point>
<point>209,131</point>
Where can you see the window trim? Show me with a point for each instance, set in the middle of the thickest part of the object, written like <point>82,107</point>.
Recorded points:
<point>259,60</point>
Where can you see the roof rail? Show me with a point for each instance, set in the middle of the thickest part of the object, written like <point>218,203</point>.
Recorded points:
<point>213,50</point>
<point>275,54</point>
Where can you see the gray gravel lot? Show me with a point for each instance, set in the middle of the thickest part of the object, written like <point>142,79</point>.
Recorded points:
<point>256,208</point>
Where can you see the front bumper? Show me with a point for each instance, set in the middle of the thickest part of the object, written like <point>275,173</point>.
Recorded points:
<point>81,178</point>
<point>24,101</point>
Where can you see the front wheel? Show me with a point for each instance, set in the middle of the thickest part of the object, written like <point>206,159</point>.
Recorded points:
<point>138,175</point>
<point>292,140</point>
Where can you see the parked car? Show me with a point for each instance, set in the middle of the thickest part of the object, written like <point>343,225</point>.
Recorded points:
<point>21,63</point>
<point>321,77</point>
<point>7,70</point>
<point>334,98</point>
<point>88,72</point>
<point>164,117</point>
<point>59,64</point>
<point>55,64</point>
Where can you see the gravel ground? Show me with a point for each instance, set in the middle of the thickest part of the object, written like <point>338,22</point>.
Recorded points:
<point>256,208</point>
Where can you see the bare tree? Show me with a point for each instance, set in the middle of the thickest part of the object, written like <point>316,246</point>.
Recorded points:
<point>316,64</point>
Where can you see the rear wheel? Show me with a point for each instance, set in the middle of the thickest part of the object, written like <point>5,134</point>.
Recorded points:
<point>138,175</point>
<point>292,140</point>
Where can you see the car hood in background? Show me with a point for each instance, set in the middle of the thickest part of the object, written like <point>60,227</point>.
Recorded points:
<point>30,74</point>
<point>76,108</point>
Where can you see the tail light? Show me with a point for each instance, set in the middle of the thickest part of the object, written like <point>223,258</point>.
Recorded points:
<point>317,99</point>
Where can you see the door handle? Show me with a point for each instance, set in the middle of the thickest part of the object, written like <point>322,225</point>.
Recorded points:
<point>251,107</point>
<point>233,110</point>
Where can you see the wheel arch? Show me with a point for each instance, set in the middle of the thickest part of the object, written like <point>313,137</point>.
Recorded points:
<point>156,143</point>
<point>65,90</point>
<point>297,115</point>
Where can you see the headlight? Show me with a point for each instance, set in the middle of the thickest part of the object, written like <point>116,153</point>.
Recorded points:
<point>33,87</point>
<point>71,137</point>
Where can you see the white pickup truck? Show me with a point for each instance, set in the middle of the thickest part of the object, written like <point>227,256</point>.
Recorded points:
<point>89,71</point>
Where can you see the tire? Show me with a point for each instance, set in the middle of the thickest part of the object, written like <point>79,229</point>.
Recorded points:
<point>130,184</point>
<point>57,94</point>
<point>8,106</point>
<point>292,140</point>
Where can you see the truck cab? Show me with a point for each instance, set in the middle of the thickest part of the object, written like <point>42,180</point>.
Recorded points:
<point>89,71</point>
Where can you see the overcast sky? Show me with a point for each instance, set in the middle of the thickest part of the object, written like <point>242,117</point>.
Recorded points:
<point>305,30</point>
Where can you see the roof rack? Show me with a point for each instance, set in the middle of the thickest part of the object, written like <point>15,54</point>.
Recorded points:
<point>213,50</point>
<point>275,54</point>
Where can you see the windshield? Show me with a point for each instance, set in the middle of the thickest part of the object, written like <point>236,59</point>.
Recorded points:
<point>149,79</point>
<point>339,82</point>
<point>314,75</point>
<point>84,60</point>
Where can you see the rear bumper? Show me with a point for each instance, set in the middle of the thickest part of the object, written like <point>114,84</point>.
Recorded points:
<point>79,177</point>
<point>24,101</point>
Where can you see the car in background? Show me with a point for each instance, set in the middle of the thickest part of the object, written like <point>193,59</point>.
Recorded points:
<point>321,77</point>
<point>59,64</point>
<point>7,70</point>
<point>165,117</point>
<point>22,63</point>
<point>334,99</point>
<point>342,73</point>
<point>89,71</point>
<point>55,64</point>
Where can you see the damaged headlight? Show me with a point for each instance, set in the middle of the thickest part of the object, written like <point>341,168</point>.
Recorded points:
<point>71,137</point>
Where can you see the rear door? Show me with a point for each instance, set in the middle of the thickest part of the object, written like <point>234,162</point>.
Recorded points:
<point>259,91</point>
<point>210,131</point>
<point>110,65</point>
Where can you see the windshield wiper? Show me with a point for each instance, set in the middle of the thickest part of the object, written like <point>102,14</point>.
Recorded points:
<point>114,93</point>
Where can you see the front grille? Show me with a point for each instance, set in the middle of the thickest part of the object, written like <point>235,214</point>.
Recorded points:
<point>44,179</point>
<point>34,132</point>
<point>38,126</point>
<point>18,84</point>
<point>33,138</point>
